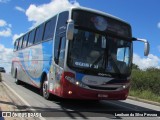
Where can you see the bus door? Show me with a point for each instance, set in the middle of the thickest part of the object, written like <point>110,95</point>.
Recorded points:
<point>59,55</point>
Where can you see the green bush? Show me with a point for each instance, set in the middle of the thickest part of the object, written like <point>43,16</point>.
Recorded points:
<point>148,80</point>
<point>146,94</point>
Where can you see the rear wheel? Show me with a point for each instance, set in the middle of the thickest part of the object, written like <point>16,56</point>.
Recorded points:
<point>45,91</point>
<point>17,81</point>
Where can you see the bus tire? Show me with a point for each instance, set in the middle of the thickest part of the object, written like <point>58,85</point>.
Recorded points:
<point>17,81</point>
<point>46,93</point>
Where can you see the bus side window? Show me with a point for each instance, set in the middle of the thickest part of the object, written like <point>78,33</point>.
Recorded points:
<point>25,38</point>
<point>62,51</point>
<point>49,28</point>
<point>20,43</point>
<point>62,22</point>
<point>15,45</point>
<point>39,34</point>
<point>31,37</point>
<point>59,51</point>
<point>56,49</point>
<point>17,41</point>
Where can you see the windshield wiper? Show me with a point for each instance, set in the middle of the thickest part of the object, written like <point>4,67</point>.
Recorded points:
<point>97,60</point>
<point>115,64</point>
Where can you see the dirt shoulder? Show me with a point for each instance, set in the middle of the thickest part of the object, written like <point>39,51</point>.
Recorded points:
<point>10,102</point>
<point>6,100</point>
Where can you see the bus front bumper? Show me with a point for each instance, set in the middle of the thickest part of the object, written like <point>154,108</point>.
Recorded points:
<point>72,91</point>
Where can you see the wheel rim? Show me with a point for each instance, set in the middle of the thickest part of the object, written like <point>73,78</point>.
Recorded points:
<point>45,88</point>
<point>16,77</point>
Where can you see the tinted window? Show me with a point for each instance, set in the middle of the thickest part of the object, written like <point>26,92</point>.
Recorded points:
<point>15,45</point>
<point>59,50</point>
<point>93,21</point>
<point>56,49</point>
<point>20,43</point>
<point>62,22</point>
<point>62,52</point>
<point>49,28</point>
<point>39,33</point>
<point>31,38</point>
<point>25,38</point>
<point>99,53</point>
<point>23,42</point>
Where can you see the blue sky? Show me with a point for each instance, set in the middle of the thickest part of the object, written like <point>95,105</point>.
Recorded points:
<point>18,16</point>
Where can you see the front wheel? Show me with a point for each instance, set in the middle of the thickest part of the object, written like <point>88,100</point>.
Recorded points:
<point>46,93</point>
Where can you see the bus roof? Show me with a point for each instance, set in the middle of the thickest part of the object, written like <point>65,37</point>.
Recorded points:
<point>78,8</point>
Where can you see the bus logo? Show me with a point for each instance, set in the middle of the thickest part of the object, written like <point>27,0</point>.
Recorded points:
<point>100,23</point>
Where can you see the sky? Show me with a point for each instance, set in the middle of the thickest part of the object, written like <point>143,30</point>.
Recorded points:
<point>19,16</point>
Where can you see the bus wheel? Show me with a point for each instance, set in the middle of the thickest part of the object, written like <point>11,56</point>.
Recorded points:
<point>46,93</point>
<point>17,81</point>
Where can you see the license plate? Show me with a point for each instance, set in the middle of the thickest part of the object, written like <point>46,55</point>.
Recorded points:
<point>102,95</point>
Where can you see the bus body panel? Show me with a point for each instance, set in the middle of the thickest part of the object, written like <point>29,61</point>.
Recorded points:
<point>33,61</point>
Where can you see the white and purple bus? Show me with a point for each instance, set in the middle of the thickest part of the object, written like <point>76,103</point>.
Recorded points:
<point>79,53</point>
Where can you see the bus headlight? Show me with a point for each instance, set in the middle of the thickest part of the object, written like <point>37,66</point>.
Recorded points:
<point>75,82</point>
<point>124,86</point>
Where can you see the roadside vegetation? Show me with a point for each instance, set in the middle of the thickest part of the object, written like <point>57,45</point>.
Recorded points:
<point>145,84</point>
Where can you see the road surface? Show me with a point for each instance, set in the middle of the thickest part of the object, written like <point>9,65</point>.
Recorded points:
<point>77,109</point>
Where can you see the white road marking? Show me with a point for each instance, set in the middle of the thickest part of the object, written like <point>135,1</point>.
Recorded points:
<point>24,101</point>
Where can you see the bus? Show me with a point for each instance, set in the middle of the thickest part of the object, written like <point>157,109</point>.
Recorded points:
<point>79,53</point>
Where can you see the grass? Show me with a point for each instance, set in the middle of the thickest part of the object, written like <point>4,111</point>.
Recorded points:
<point>145,84</point>
<point>145,94</point>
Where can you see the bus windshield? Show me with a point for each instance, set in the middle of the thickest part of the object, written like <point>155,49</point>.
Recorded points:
<point>99,53</point>
<point>101,44</point>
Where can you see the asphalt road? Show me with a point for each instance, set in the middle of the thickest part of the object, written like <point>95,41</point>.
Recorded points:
<point>58,108</point>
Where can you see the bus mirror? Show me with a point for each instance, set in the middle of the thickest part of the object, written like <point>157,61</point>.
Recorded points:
<point>146,45</point>
<point>146,48</point>
<point>70,29</point>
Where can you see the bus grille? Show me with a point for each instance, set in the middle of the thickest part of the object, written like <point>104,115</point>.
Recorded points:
<point>102,88</point>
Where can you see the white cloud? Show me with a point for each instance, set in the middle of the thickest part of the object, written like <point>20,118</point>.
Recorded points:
<point>15,36</point>
<point>6,55</point>
<point>6,32</point>
<point>158,25</point>
<point>38,14</point>
<point>2,23</point>
<point>4,1</point>
<point>150,61</point>
<point>20,9</point>
<point>5,29</point>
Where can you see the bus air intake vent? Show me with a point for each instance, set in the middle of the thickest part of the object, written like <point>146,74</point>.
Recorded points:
<point>102,88</point>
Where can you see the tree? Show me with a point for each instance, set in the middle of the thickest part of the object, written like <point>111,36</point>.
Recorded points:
<point>135,67</point>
